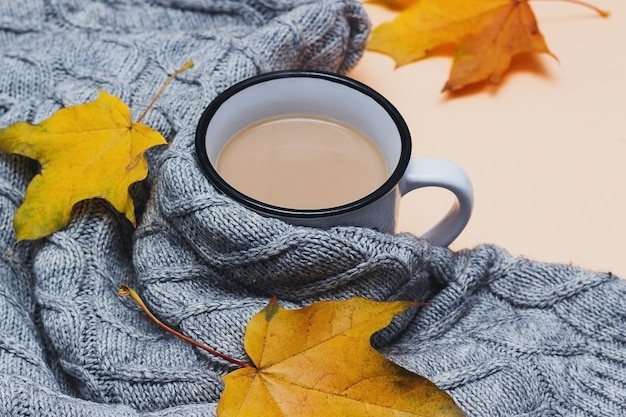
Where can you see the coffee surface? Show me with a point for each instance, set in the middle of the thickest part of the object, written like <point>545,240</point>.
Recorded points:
<point>302,162</point>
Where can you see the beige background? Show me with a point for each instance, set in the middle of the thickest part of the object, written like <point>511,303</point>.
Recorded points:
<point>545,149</point>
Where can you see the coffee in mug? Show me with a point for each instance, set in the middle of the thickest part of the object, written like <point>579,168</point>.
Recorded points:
<point>302,162</point>
<point>322,150</point>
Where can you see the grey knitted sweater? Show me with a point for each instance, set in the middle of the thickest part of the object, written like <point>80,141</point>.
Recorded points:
<point>504,336</point>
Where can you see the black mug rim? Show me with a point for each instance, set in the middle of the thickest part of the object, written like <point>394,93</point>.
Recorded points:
<point>276,211</point>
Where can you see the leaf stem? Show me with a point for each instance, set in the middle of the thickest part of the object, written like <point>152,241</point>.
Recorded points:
<point>600,12</point>
<point>167,82</point>
<point>126,291</point>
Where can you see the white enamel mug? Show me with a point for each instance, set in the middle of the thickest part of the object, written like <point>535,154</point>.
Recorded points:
<point>350,102</point>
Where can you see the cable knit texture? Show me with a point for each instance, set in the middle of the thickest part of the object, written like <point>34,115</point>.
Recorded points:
<point>504,336</point>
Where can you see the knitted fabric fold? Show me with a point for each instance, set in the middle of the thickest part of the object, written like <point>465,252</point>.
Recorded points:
<point>503,335</point>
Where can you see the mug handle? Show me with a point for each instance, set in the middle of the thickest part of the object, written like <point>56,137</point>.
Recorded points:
<point>435,172</point>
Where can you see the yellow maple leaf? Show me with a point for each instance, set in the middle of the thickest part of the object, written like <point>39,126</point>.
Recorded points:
<point>487,34</point>
<point>318,361</point>
<point>91,150</point>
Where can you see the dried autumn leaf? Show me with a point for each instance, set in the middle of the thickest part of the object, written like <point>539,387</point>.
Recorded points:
<point>91,150</point>
<point>487,35</point>
<point>318,361</point>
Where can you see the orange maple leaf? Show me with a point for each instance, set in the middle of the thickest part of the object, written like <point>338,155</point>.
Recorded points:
<point>487,35</point>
